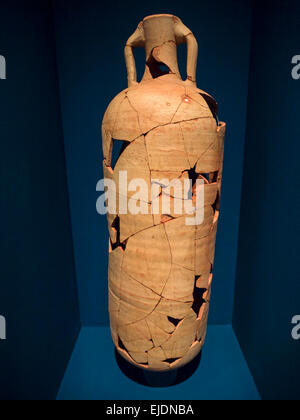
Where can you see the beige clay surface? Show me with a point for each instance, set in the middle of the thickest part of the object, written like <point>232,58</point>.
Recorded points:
<point>160,268</point>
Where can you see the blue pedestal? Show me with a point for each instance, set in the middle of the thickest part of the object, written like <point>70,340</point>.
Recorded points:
<point>93,373</point>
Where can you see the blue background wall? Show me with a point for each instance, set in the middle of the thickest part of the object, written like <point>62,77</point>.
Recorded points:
<point>62,73</point>
<point>38,293</point>
<point>90,40</point>
<point>268,287</point>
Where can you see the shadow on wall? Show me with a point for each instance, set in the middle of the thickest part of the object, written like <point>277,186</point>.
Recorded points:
<point>90,39</point>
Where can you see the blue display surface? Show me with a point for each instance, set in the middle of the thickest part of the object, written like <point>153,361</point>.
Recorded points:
<point>93,373</point>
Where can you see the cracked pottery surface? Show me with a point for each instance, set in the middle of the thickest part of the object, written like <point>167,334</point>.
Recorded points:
<point>160,269</point>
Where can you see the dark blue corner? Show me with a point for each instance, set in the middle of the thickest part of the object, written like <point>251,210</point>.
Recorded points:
<point>38,295</point>
<point>268,288</point>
